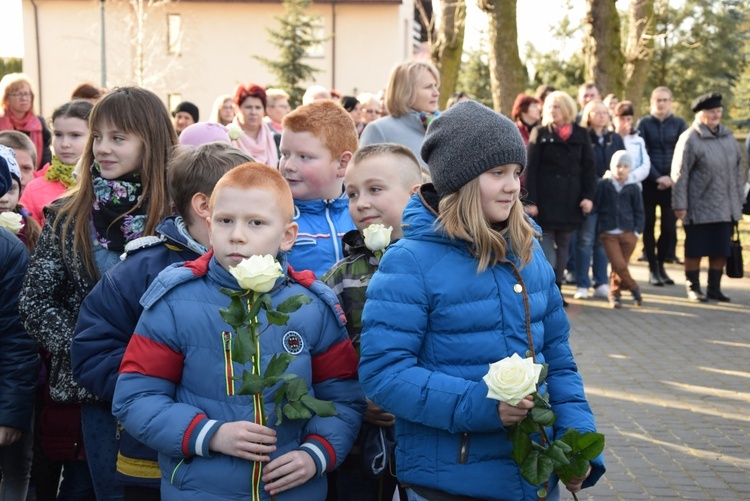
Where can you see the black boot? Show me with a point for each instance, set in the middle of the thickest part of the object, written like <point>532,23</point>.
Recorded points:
<point>654,277</point>
<point>637,296</point>
<point>663,275</point>
<point>693,286</point>
<point>565,303</point>
<point>713,291</point>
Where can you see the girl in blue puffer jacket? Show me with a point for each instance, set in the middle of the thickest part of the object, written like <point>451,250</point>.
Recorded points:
<point>466,286</point>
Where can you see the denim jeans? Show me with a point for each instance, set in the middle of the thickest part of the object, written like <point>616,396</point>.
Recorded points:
<point>588,245</point>
<point>99,435</point>
<point>15,465</point>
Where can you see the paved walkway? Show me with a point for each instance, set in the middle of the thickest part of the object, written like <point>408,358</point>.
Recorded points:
<point>670,387</point>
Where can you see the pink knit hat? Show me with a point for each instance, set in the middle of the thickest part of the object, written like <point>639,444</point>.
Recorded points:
<point>203,133</point>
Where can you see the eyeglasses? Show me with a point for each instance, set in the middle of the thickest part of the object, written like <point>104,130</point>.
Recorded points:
<point>366,110</point>
<point>21,95</point>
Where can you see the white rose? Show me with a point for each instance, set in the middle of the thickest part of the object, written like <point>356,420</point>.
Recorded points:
<point>257,273</point>
<point>377,237</point>
<point>234,131</point>
<point>511,379</point>
<point>11,221</point>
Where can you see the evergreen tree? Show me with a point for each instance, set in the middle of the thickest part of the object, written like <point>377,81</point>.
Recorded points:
<point>294,38</point>
<point>10,65</point>
<point>474,77</point>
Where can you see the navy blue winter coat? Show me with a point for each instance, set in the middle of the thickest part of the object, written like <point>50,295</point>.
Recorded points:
<point>19,359</point>
<point>106,322</point>
<point>177,382</point>
<point>432,326</point>
<point>661,139</point>
<point>603,151</point>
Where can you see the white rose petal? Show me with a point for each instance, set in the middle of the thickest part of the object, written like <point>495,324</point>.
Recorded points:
<point>257,273</point>
<point>511,379</point>
<point>377,237</point>
<point>11,221</point>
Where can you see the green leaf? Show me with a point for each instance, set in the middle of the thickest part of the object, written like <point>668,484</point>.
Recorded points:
<point>576,469</point>
<point>567,449</point>
<point>252,384</point>
<point>571,437</point>
<point>521,444</point>
<point>243,347</point>
<point>255,308</point>
<point>230,292</point>
<point>543,374</point>
<point>542,416</point>
<point>234,314</point>
<point>296,389</point>
<point>528,425</point>
<point>295,410</point>
<point>557,455</point>
<point>590,445</point>
<point>278,364</point>
<point>536,469</point>
<point>322,408</point>
<point>293,303</point>
<point>276,318</point>
<point>278,395</point>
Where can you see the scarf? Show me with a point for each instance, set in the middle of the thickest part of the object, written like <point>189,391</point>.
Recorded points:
<point>427,118</point>
<point>113,199</point>
<point>58,171</point>
<point>29,125</point>
<point>262,149</point>
<point>564,132</point>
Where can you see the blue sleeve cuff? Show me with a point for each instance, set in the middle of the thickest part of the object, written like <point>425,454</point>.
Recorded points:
<point>199,436</point>
<point>321,451</point>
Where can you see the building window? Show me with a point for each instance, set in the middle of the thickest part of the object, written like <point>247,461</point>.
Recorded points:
<point>319,34</point>
<point>173,100</point>
<point>174,34</point>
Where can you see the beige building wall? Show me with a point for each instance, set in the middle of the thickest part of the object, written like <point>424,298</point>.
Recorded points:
<point>218,43</point>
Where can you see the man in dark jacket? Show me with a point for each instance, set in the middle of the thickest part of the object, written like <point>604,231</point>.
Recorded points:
<point>660,130</point>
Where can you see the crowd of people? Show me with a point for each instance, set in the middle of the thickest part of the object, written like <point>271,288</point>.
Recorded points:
<point>120,228</point>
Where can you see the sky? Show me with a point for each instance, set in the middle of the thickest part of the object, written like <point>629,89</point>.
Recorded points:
<point>534,20</point>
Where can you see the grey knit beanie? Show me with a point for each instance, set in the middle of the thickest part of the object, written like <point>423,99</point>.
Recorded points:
<point>620,157</point>
<point>467,140</point>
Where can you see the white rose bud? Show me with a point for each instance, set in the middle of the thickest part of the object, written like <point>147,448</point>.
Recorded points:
<point>377,237</point>
<point>512,379</point>
<point>234,131</point>
<point>11,221</point>
<point>257,273</point>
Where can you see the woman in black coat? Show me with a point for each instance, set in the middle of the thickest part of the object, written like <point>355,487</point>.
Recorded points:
<point>560,178</point>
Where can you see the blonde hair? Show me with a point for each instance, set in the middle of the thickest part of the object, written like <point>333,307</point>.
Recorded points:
<point>565,102</point>
<point>136,111</point>
<point>215,116</point>
<point>272,95</point>
<point>401,91</point>
<point>462,218</point>
<point>589,109</point>
<point>13,82</point>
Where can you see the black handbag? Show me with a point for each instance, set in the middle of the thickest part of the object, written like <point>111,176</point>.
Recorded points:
<point>735,268</point>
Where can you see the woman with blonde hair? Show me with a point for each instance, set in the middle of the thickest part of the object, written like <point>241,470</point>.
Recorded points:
<point>17,113</point>
<point>466,286</point>
<point>560,179</point>
<point>412,101</point>
<point>223,110</point>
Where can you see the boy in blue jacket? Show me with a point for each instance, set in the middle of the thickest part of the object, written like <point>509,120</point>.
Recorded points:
<point>110,312</point>
<point>177,392</point>
<point>317,144</point>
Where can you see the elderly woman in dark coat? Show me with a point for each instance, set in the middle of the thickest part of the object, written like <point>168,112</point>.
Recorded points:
<point>707,194</point>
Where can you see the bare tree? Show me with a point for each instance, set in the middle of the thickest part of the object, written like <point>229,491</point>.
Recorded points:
<point>639,48</point>
<point>506,69</point>
<point>602,53</point>
<point>445,36</point>
<point>143,42</point>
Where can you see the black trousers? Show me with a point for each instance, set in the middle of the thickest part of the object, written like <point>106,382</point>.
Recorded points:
<point>658,251</point>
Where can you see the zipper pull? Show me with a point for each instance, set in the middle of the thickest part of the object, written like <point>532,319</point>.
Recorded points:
<point>463,448</point>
